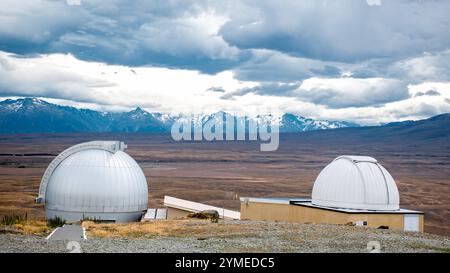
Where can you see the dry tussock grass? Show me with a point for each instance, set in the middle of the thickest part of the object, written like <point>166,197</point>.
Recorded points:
<point>34,227</point>
<point>422,174</point>
<point>169,228</point>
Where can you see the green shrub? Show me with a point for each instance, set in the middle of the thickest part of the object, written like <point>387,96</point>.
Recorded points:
<point>9,220</point>
<point>56,222</point>
<point>95,220</point>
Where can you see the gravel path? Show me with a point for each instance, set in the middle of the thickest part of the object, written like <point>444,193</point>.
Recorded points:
<point>274,237</point>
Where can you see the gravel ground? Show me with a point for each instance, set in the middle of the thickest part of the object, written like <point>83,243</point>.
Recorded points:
<point>274,237</point>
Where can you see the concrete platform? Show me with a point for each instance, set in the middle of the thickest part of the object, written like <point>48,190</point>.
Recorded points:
<point>68,233</point>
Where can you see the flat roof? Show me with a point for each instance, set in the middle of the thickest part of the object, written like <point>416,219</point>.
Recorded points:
<point>273,200</point>
<point>306,202</point>
<point>173,202</point>
<point>356,211</point>
<point>156,214</point>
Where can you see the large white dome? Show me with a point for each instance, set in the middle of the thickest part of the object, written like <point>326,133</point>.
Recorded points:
<point>356,182</point>
<point>97,184</point>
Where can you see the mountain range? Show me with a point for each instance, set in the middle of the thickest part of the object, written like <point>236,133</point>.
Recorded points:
<point>32,115</point>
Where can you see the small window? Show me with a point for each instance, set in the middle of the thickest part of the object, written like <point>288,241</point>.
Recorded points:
<point>361,223</point>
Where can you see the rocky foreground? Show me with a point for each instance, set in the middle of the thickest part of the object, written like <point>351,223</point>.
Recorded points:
<point>232,236</point>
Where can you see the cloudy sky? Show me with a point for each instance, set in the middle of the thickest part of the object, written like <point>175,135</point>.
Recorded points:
<point>368,61</point>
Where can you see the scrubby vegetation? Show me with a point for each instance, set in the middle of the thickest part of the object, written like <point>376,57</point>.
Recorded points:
<point>56,222</point>
<point>95,220</point>
<point>202,228</point>
<point>21,224</point>
<point>9,220</point>
<point>213,215</point>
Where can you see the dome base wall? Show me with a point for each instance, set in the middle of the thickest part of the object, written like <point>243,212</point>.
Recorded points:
<point>365,206</point>
<point>71,216</point>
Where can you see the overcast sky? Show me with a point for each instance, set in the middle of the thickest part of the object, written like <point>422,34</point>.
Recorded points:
<point>367,61</point>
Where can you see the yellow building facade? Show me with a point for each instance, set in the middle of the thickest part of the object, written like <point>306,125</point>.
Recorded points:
<point>302,211</point>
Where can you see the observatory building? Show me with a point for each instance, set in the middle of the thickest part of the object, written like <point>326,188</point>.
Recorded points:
<point>94,180</point>
<point>352,190</point>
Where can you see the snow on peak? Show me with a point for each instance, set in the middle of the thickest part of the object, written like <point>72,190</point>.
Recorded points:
<point>139,113</point>
<point>15,105</point>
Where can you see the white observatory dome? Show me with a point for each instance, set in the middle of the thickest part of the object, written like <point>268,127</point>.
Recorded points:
<point>94,180</point>
<point>355,182</point>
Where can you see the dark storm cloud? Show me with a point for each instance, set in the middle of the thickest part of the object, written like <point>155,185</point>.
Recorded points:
<point>428,93</point>
<point>176,34</point>
<point>364,73</point>
<point>216,89</point>
<point>272,89</point>
<point>328,70</point>
<point>162,33</point>
<point>345,31</point>
<point>356,54</point>
<point>351,92</point>
<point>268,65</point>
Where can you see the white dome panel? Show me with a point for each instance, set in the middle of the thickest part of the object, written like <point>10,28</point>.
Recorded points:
<point>355,182</point>
<point>96,183</point>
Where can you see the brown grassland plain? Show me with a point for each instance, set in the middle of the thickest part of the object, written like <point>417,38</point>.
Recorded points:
<point>218,173</point>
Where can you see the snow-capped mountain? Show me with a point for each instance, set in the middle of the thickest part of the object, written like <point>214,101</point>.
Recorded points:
<point>29,115</point>
<point>137,120</point>
<point>294,123</point>
<point>35,115</point>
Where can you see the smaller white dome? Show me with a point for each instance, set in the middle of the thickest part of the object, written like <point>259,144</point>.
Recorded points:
<point>356,182</point>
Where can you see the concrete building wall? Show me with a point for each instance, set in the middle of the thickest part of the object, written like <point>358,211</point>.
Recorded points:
<point>264,211</point>
<point>303,214</point>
